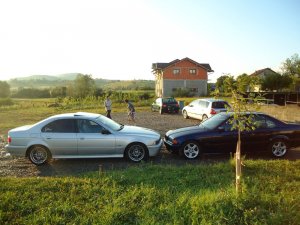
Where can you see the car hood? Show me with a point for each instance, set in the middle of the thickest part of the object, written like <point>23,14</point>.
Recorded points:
<point>139,131</point>
<point>186,131</point>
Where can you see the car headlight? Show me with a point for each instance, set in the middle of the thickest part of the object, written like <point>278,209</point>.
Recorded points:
<point>156,142</point>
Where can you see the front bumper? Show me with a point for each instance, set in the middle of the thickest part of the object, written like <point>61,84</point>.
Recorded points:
<point>170,146</point>
<point>154,149</point>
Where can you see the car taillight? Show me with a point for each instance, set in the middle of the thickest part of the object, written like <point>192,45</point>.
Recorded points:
<point>213,112</point>
<point>9,139</point>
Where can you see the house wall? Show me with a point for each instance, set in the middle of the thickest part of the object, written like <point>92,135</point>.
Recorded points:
<point>198,87</point>
<point>184,74</point>
<point>184,79</point>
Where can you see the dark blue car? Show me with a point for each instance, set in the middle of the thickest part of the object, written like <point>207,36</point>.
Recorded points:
<point>216,135</point>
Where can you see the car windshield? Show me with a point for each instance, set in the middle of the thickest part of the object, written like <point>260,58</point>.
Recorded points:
<point>214,121</point>
<point>109,123</point>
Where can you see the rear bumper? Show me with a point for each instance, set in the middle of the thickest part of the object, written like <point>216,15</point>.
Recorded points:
<point>15,150</point>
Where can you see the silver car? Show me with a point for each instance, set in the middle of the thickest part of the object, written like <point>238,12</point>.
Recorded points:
<point>205,108</point>
<point>82,135</point>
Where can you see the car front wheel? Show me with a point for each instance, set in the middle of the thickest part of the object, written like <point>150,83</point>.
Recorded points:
<point>279,148</point>
<point>185,115</point>
<point>39,155</point>
<point>191,150</point>
<point>136,152</point>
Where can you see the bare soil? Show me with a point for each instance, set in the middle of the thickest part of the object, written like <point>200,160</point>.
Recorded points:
<point>22,167</point>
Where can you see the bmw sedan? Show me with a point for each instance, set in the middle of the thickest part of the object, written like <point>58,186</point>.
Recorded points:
<point>216,135</point>
<point>82,135</point>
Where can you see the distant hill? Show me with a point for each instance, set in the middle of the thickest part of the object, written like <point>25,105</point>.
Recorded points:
<point>68,76</point>
<point>48,81</point>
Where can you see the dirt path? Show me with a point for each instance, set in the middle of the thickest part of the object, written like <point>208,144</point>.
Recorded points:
<point>21,167</point>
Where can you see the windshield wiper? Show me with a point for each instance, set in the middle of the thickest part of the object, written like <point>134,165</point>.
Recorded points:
<point>121,127</point>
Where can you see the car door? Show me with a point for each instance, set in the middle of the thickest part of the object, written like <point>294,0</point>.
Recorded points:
<point>94,139</point>
<point>61,137</point>
<point>222,139</point>
<point>259,138</point>
<point>192,108</point>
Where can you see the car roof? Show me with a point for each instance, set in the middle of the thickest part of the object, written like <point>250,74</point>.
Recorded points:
<point>212,100</point>
<point>77,114</point>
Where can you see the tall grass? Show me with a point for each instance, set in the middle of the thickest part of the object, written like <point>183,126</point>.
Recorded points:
<point>152,194</point>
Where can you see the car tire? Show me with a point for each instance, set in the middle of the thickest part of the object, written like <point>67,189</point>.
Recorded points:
<point>185,114</point>
<point>190,150</point>
<point>279,148</point>
<point>39,155</point>
<point>152,109</point>
<point>136,152</point>
<point>161,111</point>
<point>204,117</point>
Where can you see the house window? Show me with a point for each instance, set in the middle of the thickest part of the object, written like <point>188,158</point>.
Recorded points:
<point>176,71</point>
<point>193,71</point>
<point>195,90</point>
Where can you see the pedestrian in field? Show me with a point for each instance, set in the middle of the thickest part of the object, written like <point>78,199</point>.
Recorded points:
<point>130,110</point>
<point>107,105</point>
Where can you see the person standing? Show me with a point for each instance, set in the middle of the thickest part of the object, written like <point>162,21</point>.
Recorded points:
<point>131,110</point>
<point>107,105</point>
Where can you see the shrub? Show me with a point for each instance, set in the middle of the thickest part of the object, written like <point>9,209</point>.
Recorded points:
<point>6,102</point>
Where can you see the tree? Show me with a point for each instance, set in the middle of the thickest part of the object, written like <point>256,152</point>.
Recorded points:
<point>276,82</point>
<point>4,89</point>
<point>291,67</point>
<point>220,83</point>
<point>240,121</point>
<point>246,83</point>
<point>84,85</point>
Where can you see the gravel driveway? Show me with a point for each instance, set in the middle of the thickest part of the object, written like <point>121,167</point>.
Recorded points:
<point>21,167</point>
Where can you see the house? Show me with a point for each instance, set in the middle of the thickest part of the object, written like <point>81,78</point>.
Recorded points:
<point>261,74</point>
<point>181,74</point>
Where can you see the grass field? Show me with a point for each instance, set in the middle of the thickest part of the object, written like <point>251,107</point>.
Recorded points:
<point>152,194</point>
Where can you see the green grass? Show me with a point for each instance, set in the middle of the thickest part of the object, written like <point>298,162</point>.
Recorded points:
<point>152,194</point>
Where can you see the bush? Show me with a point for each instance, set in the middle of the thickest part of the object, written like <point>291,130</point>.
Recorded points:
<point>182,92</point>
<point>6,102</point>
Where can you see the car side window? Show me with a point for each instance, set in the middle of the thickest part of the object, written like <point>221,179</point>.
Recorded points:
<point>89,126</point>
<point>260,121</point>
<point>60,126</point>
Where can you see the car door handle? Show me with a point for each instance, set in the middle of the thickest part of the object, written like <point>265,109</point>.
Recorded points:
<point>82,138</point>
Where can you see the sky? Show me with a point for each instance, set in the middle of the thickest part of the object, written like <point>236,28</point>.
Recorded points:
<point>120,39</point>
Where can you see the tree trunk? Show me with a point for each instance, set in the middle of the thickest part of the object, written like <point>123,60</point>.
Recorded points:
<point>238,166</point>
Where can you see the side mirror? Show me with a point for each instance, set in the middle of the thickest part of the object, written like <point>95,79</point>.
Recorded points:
<point>221,129</point>
<point>104,131</point>
<point>191,105</point>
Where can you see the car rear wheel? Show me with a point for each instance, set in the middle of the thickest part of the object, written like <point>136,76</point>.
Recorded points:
<point>185,115</point>
<point>279,148</point>
<point>204,117</point>
<point>137,152</point>
<point>191,150</point>
<point>39,155</point>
